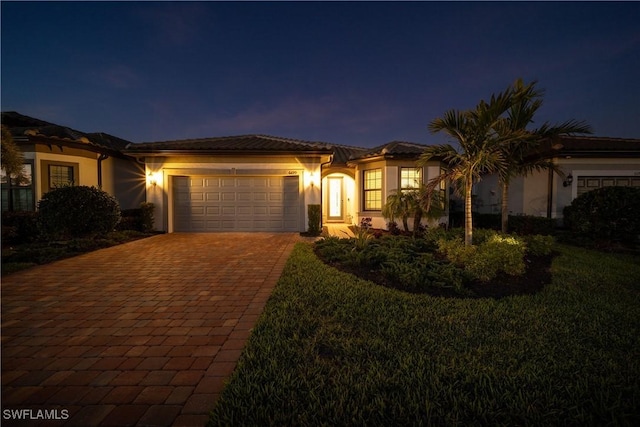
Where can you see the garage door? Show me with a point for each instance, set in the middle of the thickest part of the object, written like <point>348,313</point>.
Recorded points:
<point>588,183</point>
<point>245,203</point>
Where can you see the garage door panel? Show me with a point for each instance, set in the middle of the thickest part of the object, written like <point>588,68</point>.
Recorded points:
<point>236,203</point>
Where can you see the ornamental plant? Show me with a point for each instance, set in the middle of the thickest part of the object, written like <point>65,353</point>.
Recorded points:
<point>78,211</point>
<point>608,213</point>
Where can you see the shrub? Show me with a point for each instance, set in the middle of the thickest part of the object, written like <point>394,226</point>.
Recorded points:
<point>393,228</point>
<point>139,219</point>
<point>19,227</point>
<point>78,211</point>
<point>147,217</point>
<point>499,253</point>
<point>485,260</point>
<point>315,216</point>
<point>539,245</point>
<point>525,225</point>
<point>332,249</point>
<point>609,213</point>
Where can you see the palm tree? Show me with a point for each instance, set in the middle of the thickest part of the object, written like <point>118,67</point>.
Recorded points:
<point>477,151</point>
<point>515,152</point>
<point>397,206</point>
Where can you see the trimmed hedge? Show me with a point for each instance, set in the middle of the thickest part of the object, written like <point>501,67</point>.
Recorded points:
<point>609,213</point>
<point>315,216</point>
<point>76,211</point>
<point>138,219</point>
<point>520,224</point>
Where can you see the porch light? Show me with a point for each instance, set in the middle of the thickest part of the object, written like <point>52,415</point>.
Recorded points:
<point>151,179</point>
<point>568,180</point>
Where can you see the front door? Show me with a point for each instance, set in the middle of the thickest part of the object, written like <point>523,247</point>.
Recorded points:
<point>335,206</point>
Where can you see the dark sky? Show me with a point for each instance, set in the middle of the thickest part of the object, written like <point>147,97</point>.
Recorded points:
<point>358,73</point>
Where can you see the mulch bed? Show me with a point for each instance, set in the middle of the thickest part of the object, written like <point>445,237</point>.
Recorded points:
<point>537,275</point>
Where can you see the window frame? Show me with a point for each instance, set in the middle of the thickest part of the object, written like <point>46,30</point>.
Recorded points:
<point>417,183</point>
<point>45,167</point>
<point>29,189</point>
<point>366,191</point>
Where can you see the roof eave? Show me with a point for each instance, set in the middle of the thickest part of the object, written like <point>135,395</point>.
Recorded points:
<point>161,153</point>
<point>60,142</point>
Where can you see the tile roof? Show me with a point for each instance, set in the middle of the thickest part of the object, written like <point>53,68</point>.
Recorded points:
<point>20,125</point>
<point>239,143</point>
<point>590,146</point>
<point>393,148</point>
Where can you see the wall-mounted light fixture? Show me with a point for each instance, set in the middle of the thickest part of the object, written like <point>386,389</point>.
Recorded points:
<point>151,178</point>
<point>568,180</point>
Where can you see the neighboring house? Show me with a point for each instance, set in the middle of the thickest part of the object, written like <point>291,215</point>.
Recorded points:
<point>586,162</point>
<point>57,155</point>
<point>265,183</point>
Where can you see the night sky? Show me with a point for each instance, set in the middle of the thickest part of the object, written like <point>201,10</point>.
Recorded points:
<point>359,73</point>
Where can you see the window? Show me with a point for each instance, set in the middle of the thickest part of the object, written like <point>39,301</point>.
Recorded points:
<point>21,192</point>
<point>410,178</point>
<point>60,176</point>
<point>372,184</point>
<point>57,174</point>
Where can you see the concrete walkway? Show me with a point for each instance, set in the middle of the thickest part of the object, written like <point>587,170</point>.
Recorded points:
<point>339,230</point>
<point>145,333</point>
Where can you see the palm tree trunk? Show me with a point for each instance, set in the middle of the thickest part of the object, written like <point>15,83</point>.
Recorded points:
<point>405,223</point>
<point>468,218</point>
<point>417,219</point>
<point>505,207</point>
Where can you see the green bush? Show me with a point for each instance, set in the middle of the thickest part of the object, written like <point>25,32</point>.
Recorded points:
<point>78,211</point>
<point>539,245</point>
<point>315,218</point>
<point>139,219</point>
<point>609,213</point>
<point>499,253</point>
<point>332,249</point>
<point>19,227</point>
<point>484,261</point>
<point>525,225</point>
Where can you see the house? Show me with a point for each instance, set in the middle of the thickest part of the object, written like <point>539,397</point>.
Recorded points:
<point>587,163</point>
<point>57,155</point>
<point>265,183</point>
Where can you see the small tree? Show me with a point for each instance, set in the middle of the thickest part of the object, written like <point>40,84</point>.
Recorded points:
<point>397,206</point>
<point>12,163</point>
<point>476,153</point>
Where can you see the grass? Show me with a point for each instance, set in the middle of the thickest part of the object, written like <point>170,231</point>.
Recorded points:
<point>332,349</point>
<point>26,255</point>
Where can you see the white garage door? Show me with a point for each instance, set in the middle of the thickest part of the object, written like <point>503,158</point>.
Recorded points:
<point>238,203</point>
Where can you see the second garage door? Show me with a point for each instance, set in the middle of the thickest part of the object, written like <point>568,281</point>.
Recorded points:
<point>238,203</point>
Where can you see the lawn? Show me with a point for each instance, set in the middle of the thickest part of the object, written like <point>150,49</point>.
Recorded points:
<point>332,349</point>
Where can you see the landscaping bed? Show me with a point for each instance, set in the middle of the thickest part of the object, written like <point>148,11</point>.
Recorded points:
<point>436,263</point>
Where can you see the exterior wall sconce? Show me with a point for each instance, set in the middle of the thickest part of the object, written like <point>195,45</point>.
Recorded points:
<point>152,179</point>
<point>568,180</point>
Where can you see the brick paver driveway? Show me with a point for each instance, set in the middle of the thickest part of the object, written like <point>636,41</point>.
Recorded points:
<point>140,334</point>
